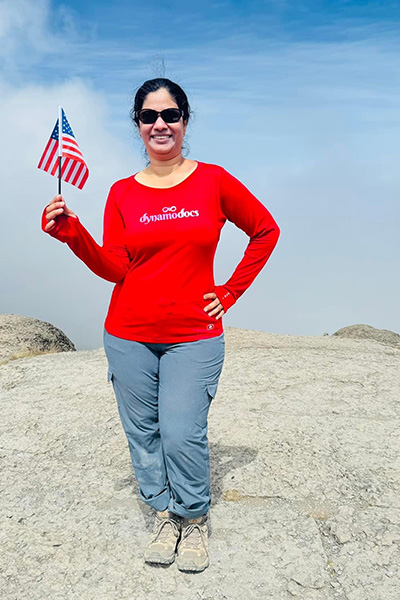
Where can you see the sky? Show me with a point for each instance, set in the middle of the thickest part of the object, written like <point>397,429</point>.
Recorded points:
<point>299,100</point>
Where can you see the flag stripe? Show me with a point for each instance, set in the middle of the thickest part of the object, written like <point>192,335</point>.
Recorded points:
<point>68,144</point>
<point>53,163</point>
<point>73,170</point>
<point>69,164</point>
<point>70,175</point>
<point>77,174</point>
<point>64,164</point>
<point>50,155</point>
<point>81,176</point>
<point>73,154</point>
<point>84,178</point>
<point>44,155</point>
<point>66,136</point>
<point>54,167</point>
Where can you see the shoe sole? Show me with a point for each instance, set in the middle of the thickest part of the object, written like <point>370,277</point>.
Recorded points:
<point>159,560</point>
<point>191,567</point>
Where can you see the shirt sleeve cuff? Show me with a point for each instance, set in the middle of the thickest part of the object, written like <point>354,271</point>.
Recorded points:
<point>225,297</point>
<point>63,228</point>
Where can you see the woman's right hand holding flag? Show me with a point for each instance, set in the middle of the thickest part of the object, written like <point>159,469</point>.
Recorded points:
<point>56,208</point>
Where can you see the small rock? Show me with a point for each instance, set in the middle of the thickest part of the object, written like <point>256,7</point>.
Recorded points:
<point>22,337</point>
<point>383,336</point>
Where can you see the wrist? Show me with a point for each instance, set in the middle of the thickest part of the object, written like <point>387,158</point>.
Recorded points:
<point>225,297</point>
<point>64,226</point>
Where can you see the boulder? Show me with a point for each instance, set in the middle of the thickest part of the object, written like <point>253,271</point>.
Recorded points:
<point>22,337</point>
<point>366,332</point>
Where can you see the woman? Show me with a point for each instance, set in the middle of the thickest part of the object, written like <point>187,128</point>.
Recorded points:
<point>163,333</point>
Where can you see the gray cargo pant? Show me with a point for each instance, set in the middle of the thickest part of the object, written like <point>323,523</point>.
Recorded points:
<point>164,392</point>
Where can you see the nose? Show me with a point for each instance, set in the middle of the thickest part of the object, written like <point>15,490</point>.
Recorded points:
<point>160,124</point>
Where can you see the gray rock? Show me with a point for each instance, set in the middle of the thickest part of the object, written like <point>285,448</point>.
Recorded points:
<point>305,478</point>
<point>366,332</point>
<point>22,337</point>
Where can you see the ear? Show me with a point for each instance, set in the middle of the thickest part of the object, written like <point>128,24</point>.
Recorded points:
<point>184,128</point>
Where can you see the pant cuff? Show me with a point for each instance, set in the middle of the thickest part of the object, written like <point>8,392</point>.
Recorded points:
<point>158,502</point>
<point>187,513</point>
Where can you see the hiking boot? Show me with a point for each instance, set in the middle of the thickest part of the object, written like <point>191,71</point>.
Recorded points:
<point>166,531</point>
<point>192,553</point>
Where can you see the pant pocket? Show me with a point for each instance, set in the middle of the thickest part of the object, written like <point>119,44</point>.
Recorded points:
<point>212,389</point>
<point>210,392</point>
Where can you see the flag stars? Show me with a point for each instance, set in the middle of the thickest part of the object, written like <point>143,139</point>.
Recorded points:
<point>66,127</point>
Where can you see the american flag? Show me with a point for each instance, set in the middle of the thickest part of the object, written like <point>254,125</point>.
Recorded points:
<point>74,170</point>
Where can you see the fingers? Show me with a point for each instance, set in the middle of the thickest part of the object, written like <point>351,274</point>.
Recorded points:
<point>212,305</point>
<point>54,208</point>
<point>50,225</point>
<point>217,312</point>
<point>214,309</point>
<point>57,198</point>
<point>54,212</point>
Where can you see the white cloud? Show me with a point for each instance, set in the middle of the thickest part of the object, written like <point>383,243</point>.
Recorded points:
<point>22,18</point>
<point>40,276</point>
<point>25,31</point>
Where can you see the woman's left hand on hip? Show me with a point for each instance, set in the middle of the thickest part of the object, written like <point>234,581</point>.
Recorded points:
<point>214,309</point>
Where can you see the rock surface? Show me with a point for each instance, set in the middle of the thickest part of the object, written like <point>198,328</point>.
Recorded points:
<point>304,438</point>
<point>24,336</point>
<point>366,332</point>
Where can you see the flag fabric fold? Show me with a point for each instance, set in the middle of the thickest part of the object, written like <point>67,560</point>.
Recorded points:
<point>74,169</point>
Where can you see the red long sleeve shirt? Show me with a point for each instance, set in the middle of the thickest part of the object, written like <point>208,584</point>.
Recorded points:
<point>159,246</point>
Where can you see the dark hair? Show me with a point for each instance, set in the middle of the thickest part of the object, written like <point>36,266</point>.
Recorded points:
<point>152,85</point>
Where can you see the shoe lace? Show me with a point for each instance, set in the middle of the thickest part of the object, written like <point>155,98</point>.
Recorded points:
<point>190,539</point>
<point>161,530</point>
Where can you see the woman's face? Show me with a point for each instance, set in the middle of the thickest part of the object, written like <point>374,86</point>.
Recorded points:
<point>162,140</point>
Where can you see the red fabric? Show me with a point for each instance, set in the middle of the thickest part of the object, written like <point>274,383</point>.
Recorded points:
<point>158,248</point>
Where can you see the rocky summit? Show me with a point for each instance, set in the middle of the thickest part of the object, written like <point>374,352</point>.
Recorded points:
<point>304,439</point>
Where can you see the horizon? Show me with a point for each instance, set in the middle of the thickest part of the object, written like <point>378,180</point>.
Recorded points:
<point>298,101</point>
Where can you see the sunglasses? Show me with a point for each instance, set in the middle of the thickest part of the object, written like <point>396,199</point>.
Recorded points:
<point>168,115</point>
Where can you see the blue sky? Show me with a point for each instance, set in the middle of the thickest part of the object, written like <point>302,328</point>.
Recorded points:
<point>299,100</point>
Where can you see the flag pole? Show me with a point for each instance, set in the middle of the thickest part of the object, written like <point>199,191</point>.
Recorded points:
<point>59,147</point>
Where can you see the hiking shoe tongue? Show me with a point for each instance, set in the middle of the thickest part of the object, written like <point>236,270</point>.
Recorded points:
<point>198,520</point>
<point>162,545</point>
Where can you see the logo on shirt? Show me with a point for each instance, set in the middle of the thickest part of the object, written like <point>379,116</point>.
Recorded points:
<point>168,213</point>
